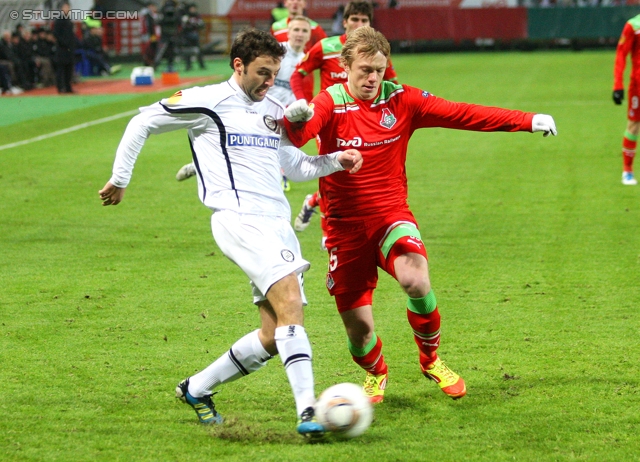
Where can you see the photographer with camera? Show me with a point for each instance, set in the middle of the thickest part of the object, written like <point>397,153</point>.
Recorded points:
<point>192,23</point>
<point>170,28</point>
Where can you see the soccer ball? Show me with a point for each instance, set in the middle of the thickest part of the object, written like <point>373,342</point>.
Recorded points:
<point>344,410</point>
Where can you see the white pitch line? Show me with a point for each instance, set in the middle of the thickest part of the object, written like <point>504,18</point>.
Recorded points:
<point>68,130</point>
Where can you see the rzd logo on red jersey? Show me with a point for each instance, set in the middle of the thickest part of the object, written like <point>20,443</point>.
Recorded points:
<point>388,120</point>
<point>355,143</point>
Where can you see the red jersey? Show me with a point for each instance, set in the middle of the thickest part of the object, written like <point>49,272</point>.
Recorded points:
<point>325,56</point>
<point>380,129</point>
<point>629,43</point>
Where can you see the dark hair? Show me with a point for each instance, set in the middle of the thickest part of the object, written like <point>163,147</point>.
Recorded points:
<point>251,43</point>
<point>358,7</point>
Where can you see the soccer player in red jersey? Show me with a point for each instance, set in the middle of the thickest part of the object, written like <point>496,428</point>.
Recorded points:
<point>629,43</point>
<point>280,30</point>
<point>325,56</point>
<point>369,221</point>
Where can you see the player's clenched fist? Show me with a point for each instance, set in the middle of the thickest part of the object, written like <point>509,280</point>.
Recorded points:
<point>299,111</point>
<point>544,123</point>
<point>351,160</point>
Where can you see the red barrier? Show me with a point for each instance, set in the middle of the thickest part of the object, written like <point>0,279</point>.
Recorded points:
<point>451,23</point>
<point>261,9</point>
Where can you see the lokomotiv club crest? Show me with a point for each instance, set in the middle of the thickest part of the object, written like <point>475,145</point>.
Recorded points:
<point>388,120</point>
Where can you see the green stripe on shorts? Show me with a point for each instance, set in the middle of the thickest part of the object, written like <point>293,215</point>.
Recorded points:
<point>405,229</point>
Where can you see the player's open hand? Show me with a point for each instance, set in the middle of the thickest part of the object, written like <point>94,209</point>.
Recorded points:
<point>110,194</point>
<point>544,123</point>
<point>299,111</point>
<point>351,160</point>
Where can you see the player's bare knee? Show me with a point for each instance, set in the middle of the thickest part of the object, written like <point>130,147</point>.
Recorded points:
<point>359,331</point>
<point>415,285</point>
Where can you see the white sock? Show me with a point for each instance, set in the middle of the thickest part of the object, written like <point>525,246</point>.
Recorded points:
<point>295,351</point>
<point>245,356</point>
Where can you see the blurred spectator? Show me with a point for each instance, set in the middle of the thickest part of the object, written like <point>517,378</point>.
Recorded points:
<point>19,30</point>
<point>150,33</point>
<point>9,58</point>
<point>44,50</point>
<point>192,23</point>
<point>96,54</point>
<point>24,50</point>
<point>65,51</point>
<point>10,61</point>
<point>169,27</point>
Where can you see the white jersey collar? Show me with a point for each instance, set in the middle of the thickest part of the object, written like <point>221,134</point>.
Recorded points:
<point>240,92</point>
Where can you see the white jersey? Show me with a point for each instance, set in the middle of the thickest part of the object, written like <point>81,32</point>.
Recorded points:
<point>237,145</point>
<point>281,89</point>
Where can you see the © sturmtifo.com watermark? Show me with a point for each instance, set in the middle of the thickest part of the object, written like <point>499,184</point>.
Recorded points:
<point>74,15</point>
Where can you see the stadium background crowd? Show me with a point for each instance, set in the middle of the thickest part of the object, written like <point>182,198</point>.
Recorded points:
<point>168,30</point>
<point>30,54</point>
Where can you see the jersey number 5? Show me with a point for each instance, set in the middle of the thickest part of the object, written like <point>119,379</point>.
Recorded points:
<point>333,259</point>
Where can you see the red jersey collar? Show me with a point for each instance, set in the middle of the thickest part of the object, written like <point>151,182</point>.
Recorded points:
<point>362,102</point>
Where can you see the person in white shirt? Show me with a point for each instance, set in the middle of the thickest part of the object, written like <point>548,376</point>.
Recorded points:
<point>299,35</point>
<point>238,149</point>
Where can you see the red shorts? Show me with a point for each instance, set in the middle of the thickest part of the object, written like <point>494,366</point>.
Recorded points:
<point>633,112</point>
<point>354,251</point>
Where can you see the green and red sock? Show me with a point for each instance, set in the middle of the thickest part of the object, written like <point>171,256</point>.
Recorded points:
<point>370,357</point>
<point>424,319</point>
<point>629,143</point>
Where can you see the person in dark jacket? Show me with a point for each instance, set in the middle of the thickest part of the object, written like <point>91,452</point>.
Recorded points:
<point>65,50</point>
<point>192,23</point>
<point>43,50</point>
<point>9,58</point>
<point>170,29</point>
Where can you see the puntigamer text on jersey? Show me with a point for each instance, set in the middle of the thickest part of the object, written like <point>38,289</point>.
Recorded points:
<point>235,139</point>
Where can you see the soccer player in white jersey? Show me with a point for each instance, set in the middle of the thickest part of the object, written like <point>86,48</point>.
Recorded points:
<point>238,150</point>
<point>299,34</point>
<point>299,29</point>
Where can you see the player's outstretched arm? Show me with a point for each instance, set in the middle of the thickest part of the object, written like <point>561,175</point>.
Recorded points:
<point>111,195</point>
<point>544,123</point>
<point>298,166</point>
<point>351,160</point>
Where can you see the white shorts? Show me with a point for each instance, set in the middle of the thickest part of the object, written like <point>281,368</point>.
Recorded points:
<point>265,248</point>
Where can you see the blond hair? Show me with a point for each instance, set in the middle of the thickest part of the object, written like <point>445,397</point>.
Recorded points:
<point>364,41</point>
<point>299,17</point>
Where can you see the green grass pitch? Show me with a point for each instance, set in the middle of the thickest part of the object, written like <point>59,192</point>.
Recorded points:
<point>534,249</point>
